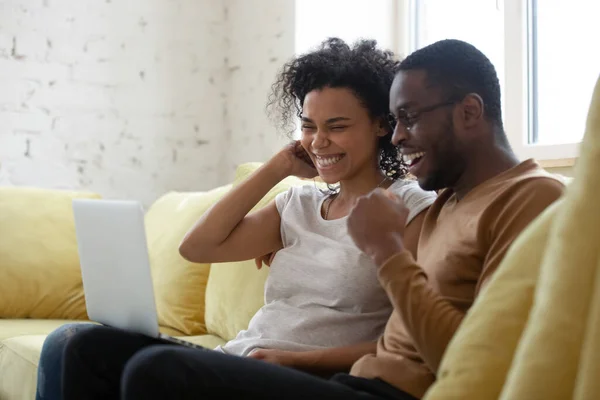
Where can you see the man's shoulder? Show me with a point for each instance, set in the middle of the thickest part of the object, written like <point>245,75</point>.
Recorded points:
<point>525,197</point>
<point>526,180</point>
<point>536,183</point>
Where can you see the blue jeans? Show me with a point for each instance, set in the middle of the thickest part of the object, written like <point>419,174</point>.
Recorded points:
<point>49,382</point>
<point>51,369</point>
<point>98,362</point>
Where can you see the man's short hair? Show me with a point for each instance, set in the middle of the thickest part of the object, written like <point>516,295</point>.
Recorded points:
<point>459,68</point>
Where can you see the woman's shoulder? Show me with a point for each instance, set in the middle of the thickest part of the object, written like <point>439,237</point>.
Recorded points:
<point>308,191</point>
<point>302,195</point>
<point>400,186</point>
<point>415,198</point>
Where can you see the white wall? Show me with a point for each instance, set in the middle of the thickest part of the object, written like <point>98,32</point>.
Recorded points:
<point>131,99</point>
<point>261,40</point>
<point>125,98</point>
<point>347,19</point>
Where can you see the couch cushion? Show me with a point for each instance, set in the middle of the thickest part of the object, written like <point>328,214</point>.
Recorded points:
<point>39,264</point>
<point>18,327</point>
<point>207,341</point>
<point>21,343</point>
<point>19,357</point>
<point>235,291</point>
<point>179,285</point>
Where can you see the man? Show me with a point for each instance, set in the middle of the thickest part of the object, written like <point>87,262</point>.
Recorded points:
<point>446,98</point>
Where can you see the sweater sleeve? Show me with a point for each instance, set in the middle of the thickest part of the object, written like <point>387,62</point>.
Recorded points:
<point>429,318</point>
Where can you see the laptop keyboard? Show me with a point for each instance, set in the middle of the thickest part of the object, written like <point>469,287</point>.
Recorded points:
<point>183,343</point>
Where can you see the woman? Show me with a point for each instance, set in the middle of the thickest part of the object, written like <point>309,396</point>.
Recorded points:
<point>322,292</point>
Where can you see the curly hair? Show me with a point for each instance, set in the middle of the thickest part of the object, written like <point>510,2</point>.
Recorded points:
<point>459,68</point>
<point>362,68</point>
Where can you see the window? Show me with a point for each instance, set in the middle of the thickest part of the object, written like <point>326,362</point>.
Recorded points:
<point>543,52</point>
<point>565,62</point>
<point>316,20</point>
<point>432,23</point>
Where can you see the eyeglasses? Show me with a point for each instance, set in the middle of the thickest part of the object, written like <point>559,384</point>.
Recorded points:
<point>408,119</point>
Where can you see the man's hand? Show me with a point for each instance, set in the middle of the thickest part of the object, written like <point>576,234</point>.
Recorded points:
<point>278,357</point>
<point>376,224</point>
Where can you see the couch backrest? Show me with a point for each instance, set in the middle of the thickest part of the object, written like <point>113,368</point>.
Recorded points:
<point>39,266</point>
<point>179,285</point>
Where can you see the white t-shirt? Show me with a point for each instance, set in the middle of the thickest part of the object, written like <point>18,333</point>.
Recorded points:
<point>322,291</point>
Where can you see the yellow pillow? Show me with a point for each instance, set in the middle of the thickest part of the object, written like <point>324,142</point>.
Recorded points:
<point>40,275</point>
<point>179,285</point>
<point>588,384</point>
<point>245,170</point>
<point>479,356</point>
<point>235,291</point>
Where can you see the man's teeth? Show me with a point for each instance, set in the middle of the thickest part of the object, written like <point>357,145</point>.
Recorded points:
<point>327,161</point>
<point>410,158</point>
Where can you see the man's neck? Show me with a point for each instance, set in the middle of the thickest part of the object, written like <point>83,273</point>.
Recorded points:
<point>483,164</point>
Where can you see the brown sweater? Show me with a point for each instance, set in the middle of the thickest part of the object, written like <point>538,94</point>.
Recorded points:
<point>460,247</point>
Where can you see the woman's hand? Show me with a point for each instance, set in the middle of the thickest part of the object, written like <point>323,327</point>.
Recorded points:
<point>322,362</point>
<point>277,357</point>
<point>294,160</point>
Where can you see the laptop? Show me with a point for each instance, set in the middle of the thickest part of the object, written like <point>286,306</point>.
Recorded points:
<point>115,267</point>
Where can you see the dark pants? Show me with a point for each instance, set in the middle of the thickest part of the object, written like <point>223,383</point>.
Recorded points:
<point>104,363</point>
<point>49,379</point>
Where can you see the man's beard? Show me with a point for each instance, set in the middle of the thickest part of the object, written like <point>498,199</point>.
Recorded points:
<point>448,164</point>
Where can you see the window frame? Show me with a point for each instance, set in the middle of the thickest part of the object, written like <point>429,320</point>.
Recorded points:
<point>519,107</point>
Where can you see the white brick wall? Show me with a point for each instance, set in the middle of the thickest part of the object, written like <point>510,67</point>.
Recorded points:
<point>134,98</point>
<point>261,39</point>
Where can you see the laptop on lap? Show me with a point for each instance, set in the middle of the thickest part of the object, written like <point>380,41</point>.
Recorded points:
<point>115,266</point>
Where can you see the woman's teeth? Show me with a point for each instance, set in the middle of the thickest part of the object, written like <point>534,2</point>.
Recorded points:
<point>328,161</point>
<point>409,159</point>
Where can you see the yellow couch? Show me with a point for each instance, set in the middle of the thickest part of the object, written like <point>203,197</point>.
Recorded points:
<point>40,281</point>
